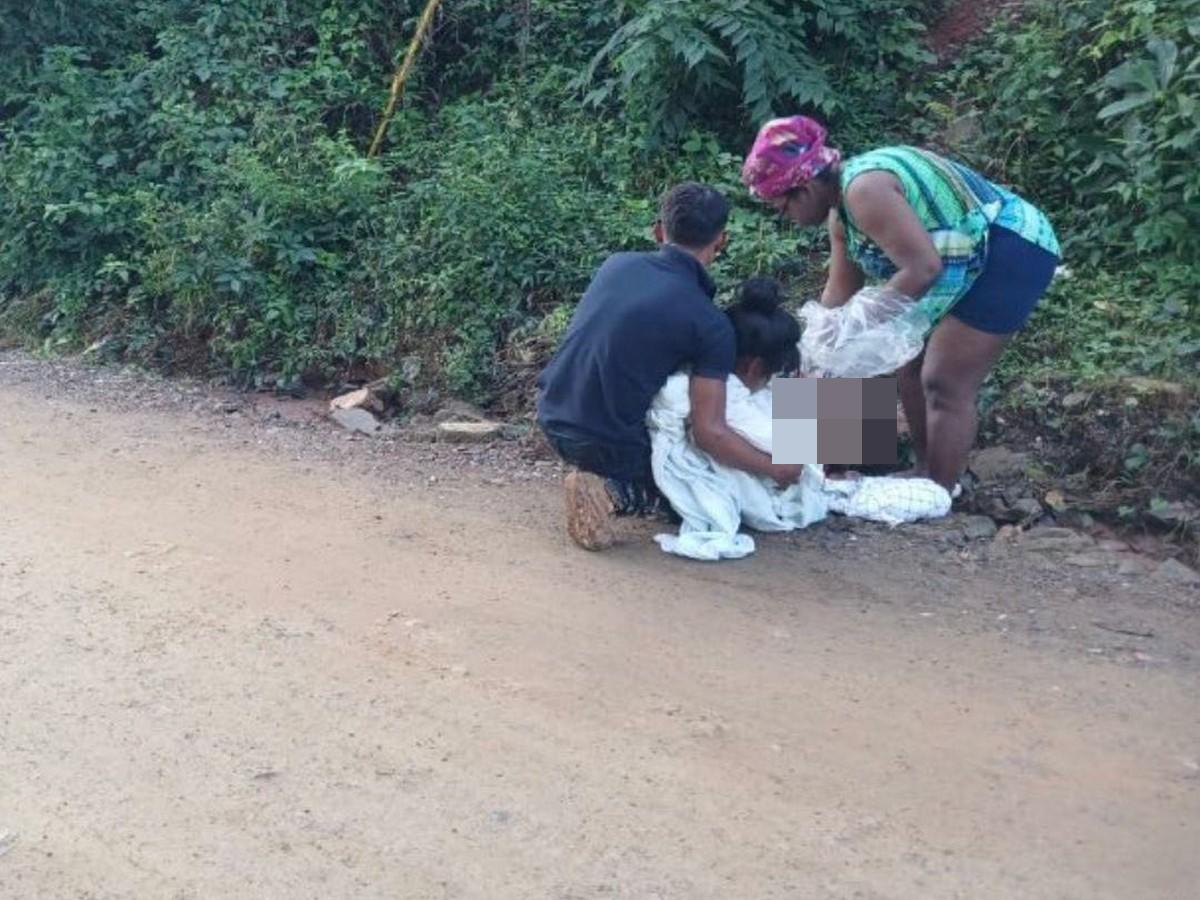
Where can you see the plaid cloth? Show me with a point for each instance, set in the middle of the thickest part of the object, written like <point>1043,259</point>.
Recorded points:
<point>957,206</point>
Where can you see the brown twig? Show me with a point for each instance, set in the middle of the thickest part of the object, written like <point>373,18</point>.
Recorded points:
<point>401,76</point>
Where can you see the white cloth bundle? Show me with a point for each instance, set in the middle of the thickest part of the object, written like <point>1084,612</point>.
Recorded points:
<point>714,500</point>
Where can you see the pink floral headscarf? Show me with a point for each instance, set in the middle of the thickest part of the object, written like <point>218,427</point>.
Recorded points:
<point>787,153</point>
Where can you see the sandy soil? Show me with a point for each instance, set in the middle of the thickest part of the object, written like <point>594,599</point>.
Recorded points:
<point>243,656</point>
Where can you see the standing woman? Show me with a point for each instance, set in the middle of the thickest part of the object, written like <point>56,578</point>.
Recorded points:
<point>977,258</point>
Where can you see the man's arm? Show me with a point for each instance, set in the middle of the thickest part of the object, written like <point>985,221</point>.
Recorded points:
<point>714,436</point>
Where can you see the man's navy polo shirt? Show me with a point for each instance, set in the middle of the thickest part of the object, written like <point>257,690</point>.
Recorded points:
<point>644,317</point>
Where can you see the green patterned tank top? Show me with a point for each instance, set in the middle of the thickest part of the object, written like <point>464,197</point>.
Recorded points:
<point>957,207</point>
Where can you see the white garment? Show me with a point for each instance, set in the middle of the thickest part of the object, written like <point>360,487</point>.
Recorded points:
<point>893,501</point>
<point>714,500</point>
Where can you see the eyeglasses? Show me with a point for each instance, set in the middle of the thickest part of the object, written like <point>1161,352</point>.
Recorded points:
<point>780,203</point>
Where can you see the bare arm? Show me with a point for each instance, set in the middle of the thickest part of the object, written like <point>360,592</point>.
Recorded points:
<point>714,436</point>
<point>885,216</point>
<point>845,278</point>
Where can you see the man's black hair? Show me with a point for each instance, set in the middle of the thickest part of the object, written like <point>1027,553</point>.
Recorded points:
<point>693,215</point>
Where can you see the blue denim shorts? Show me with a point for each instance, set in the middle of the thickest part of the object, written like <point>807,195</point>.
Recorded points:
<point>1015,278</point>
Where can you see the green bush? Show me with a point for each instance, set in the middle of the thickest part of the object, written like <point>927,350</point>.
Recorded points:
<point>1097,115</point>
<point>186,179</point>
<point>731,66</point>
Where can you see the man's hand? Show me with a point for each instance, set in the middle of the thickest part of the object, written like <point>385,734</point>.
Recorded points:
<point>714,436</point>
<point>786,475</point>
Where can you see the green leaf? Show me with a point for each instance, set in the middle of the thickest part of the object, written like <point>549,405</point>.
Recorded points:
<point>1165,52</point>
<point>107,161</point>
<point>1135,73</point>
<point>1124,105</point>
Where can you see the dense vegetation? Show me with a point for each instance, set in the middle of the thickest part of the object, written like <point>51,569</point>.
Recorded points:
<point>184,183</point>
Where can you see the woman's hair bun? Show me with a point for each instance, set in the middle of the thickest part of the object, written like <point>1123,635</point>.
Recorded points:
<point>760,294</point>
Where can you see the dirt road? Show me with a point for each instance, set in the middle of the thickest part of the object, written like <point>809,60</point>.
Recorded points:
<point>246,661</point>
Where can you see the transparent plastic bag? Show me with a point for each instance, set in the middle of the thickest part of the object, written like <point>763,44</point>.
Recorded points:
<point>874,333</point>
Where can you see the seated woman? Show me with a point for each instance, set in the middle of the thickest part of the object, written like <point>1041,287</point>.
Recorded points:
<point>767,335</point>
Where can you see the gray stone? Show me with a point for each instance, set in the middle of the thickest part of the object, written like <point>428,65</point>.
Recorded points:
<point>1174,571</point>
<point>459,411</point>
<point>1134,565</point>
<point>1014,492</point>
<point>979,528</point>
<point>1074,399</point>
<point>469,432</point>
<point>1008,534</point>
<point>1154,386</point>
<point>1027,508</point>
<point>357,420</point>
<point>1172,515</point>
<point>993,464</point>
<point>1055,540</point>
<point>1089,560</point>
<point>363,398</point>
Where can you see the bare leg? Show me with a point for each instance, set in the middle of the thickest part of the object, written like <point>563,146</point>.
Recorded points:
<point>912,398</point>
<point>957,360</point>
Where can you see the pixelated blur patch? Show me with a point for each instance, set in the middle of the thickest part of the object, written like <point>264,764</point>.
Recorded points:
<point>834,421</point>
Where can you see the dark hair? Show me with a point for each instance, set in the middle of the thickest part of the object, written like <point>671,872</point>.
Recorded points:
<point>693,215</point>
<point>828,176</point>
<point>763,328</point>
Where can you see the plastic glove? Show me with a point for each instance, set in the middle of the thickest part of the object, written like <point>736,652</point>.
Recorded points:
<point>874,333</point>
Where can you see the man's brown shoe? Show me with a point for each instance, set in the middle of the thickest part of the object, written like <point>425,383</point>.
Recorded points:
<point>589,510</point>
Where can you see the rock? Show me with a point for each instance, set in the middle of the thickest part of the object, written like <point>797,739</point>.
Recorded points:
<point>427,434</point>
<point>1028,508</point>
<point>1056,501</point>
<point>1051,540</point>
<point>1089,560</point>
<point>1172,515</point>
<point>459,411</point>
<point>1018,509</point>
<point>1075,518</point>
<point>1007,535</point>
<point>979,528</point>
<point>1000,511</point>
<point>377,397</point>
<point>469,432</point>
<point>1074,399</point>
<point>1154,386</point>
<point>1112,545</point>
<point>359,399</point>
<point>993,464</point>
<point>1176,572</point>
<point>356,420</point>
<point>1134,565</point>
<point>1014,492</point>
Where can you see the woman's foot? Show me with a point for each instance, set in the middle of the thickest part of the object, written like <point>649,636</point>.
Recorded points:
<point>589,510</point>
